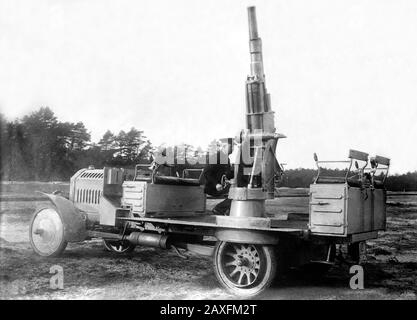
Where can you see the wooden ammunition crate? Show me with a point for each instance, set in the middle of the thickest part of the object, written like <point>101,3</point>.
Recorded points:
<point>159,200</point>
<point>339,209</point>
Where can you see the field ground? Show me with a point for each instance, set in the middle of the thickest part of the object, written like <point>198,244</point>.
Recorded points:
<point>90,272</point>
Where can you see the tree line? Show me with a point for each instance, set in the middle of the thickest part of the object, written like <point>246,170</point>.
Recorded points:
<point>38,147</point>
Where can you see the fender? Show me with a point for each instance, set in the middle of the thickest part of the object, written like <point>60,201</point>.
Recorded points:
<point>73,219</point>
<point>246,236</point>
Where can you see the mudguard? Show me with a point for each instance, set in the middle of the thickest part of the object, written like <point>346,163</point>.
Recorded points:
<point>74,220</point>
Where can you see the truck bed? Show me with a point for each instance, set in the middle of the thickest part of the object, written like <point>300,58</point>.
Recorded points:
<point>283,214</point>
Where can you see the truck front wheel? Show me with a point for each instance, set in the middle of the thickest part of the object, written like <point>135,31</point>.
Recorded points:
<point>46,233</point>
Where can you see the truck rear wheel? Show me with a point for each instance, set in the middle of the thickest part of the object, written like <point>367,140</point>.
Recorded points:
<point>46,233</point>
<point>244,269</point>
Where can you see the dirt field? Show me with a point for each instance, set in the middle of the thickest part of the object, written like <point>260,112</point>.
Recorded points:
<point>90,272</point>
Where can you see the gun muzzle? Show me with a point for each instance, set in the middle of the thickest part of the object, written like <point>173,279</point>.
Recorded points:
<point>255,46</point>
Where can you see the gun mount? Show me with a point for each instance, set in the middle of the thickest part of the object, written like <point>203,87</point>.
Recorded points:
<point>255,163</point>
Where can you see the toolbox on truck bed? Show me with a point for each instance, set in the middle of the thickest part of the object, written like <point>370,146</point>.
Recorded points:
<point>351,204</point>
<point>339,209</point>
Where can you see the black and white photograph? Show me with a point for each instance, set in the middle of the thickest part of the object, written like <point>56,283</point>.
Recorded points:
<point>224,152</point>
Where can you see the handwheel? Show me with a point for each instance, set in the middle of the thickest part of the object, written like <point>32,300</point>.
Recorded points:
<point>118,246</point>
<point>46,233</point>
<point>244,269</point>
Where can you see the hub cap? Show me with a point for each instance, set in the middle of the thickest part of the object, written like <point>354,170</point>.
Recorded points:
<point>241,264</point>
<point>47,231</point>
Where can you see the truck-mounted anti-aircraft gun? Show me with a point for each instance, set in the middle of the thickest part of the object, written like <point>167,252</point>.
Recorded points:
<point>258,239</point>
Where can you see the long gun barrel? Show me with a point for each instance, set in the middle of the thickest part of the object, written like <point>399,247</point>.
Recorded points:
<point>259,115</point>
<point>255,45</point>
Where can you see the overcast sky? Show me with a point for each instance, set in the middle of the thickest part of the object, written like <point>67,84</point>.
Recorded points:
<point>341,74</point>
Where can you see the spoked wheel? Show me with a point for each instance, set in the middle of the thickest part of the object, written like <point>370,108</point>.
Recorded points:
<point>118,246</point>
<point>244,269</point>
<point>46,233</point>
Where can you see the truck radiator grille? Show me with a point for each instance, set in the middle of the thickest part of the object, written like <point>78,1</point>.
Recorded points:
<point>91,196</point>
<point>92,174</point>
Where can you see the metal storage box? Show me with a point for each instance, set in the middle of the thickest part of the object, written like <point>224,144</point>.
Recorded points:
<point>163,200</point>
<point>339,209</point>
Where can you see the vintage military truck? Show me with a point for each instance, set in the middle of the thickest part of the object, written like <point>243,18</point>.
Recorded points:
<point>259,237</point>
